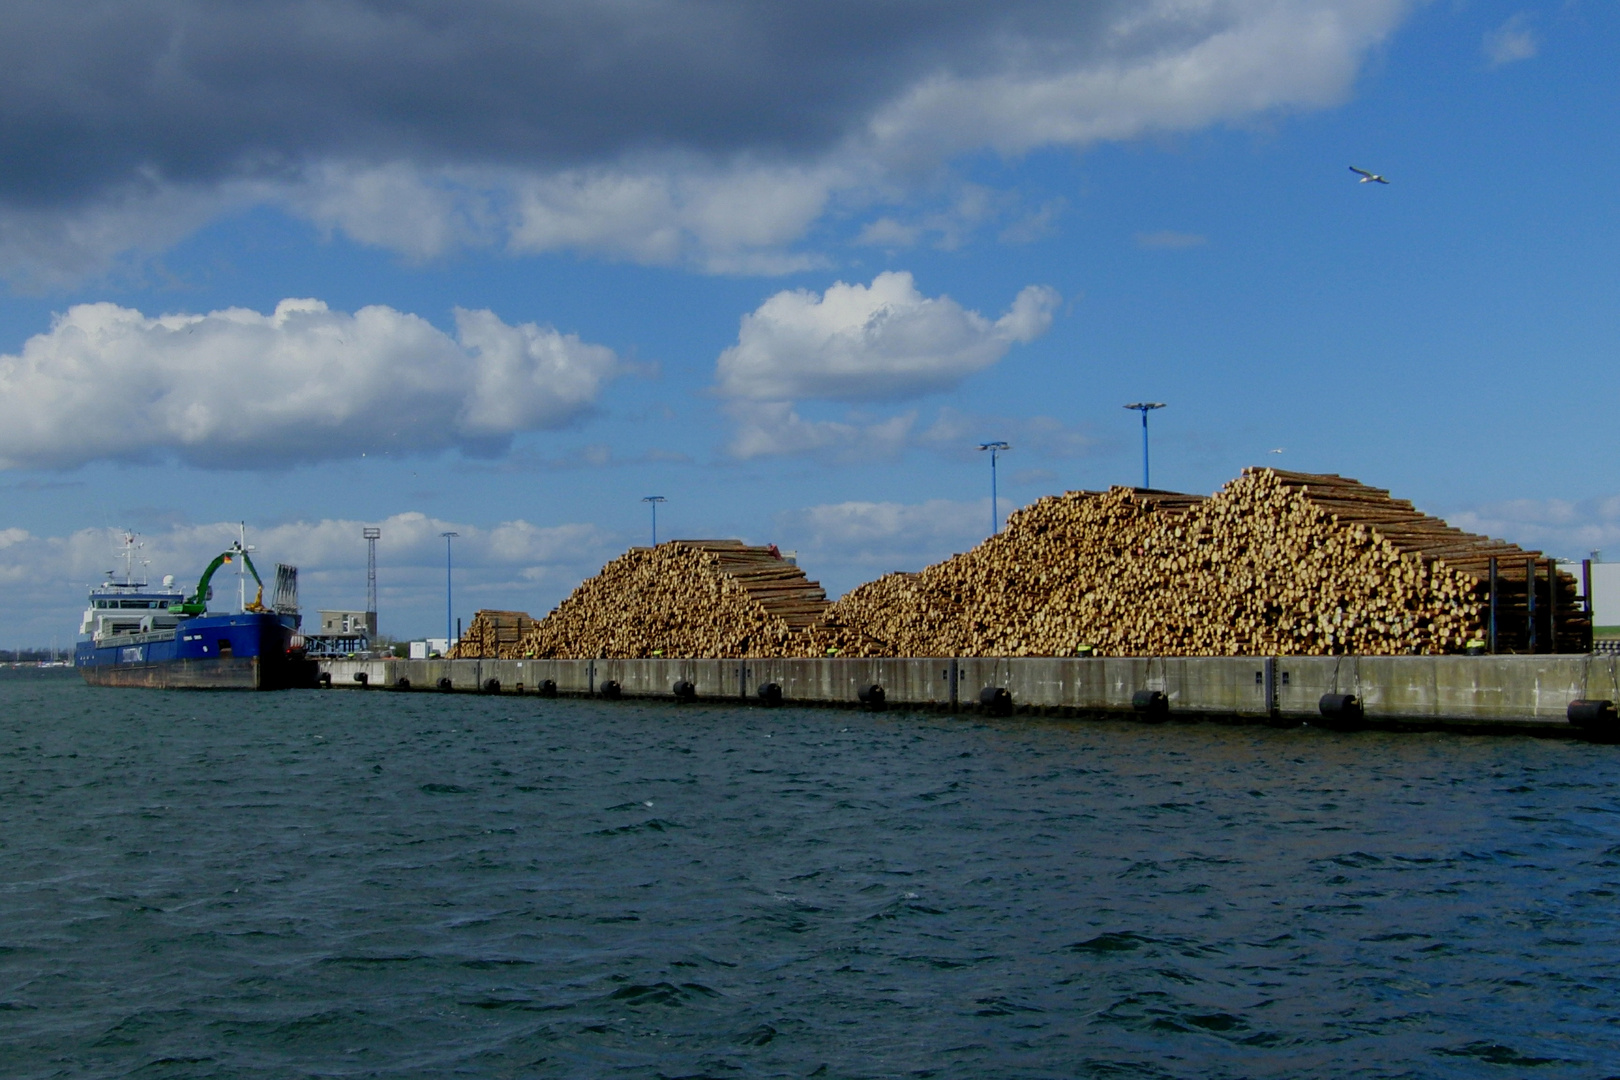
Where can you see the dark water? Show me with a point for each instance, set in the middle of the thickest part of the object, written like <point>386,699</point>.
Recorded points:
<point>353,884</point>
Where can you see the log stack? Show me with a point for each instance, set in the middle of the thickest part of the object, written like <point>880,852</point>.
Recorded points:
<point>1276,563</point>
<point>493,635</point>
<point>684,598</point>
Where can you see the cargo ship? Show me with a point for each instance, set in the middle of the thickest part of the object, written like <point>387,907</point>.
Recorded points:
<point>160,637</point>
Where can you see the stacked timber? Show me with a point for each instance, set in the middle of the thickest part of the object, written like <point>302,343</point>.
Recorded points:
<point>685,598</point>
<point>494,635</point>
<point>1276,563</point>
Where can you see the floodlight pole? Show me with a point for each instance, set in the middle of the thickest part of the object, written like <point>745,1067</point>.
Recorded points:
<point>371,535</point>
<point>654,500</point>
<point>1145,407</point>
<point>449,621</point>
<point>994,448</point>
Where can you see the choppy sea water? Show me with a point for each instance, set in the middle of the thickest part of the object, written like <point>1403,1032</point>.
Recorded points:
<point>351,884</point>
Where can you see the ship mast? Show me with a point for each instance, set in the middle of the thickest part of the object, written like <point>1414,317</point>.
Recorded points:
<point>131,545</point>
<point>241,568</point>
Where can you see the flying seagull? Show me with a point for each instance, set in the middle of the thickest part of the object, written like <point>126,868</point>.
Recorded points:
<point>1368,177</point>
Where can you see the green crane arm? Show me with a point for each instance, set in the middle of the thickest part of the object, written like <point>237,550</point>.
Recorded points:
<point>198,604</point>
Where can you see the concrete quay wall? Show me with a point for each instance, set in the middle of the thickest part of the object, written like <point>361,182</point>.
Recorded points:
<point>1485,692</point>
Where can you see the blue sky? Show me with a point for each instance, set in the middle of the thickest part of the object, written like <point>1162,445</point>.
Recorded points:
<point>790,295</point>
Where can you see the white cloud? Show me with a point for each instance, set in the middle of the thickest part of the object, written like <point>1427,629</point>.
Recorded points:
<point>511,564</point>
<point>885,341</point>
<point>50,248</point>
<point>1173,65</point>
<point>1562,528</point>
<point>775,428</point>
<point>240,389</point>
<point>496,125</point>
<point>420,213</point>
<point>886,232</point>
<point>739,219</point>
<point>1513,40</point>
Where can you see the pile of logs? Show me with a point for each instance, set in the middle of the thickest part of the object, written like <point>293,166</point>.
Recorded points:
<point>496,634</point>
<point>685,598</point>
<point>1276,563</point>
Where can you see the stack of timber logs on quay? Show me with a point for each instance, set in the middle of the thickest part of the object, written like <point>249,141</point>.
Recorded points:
<point>1274,564</point>
<point>708,598</point>
<point>493,633</point>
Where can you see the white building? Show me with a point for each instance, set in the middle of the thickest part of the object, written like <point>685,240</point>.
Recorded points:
<point>1605,596</point>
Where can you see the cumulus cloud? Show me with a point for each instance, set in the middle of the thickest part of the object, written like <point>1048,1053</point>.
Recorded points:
<point>880,342</point>
<point>236,388</point>
<point>725,220</point>
<point>1513,40</point>
<point>713,135</point>
<point>513,563</point>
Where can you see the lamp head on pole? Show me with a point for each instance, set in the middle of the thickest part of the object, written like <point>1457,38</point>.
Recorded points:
<point>653,499</point>
<point>995,446</point>
<point>1145,407</point>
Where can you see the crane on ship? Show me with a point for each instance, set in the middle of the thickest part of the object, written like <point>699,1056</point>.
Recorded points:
<point>197,604</point>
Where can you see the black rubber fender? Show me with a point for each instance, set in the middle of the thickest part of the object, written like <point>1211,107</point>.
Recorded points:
<point>492,686</point>
<point>872,697</point>
<point>770,694</point>
<point>546,688</point>
<point>610,690</point>
<point>1593,715</point>
<point>684,692</point>
<point>1340,709</point>
<point>1152,704</point>
<point>996,700</point>
<point>445,683</point>
<point>362,678</point>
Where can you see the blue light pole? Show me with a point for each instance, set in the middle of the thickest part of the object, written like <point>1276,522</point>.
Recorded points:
<point>654,500</point>
<point>994,448</point>
<point>1145,407</point>
<point>449,620</point>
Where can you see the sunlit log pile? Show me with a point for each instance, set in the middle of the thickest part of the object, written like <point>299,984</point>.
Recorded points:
<point>685,598</point>
<point>1274,563</point>
<point>493,634</point>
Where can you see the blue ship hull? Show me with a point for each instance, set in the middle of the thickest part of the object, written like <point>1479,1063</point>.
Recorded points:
<point>248,651</point>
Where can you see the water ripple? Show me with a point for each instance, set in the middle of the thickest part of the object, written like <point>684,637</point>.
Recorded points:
<point>362,885</point>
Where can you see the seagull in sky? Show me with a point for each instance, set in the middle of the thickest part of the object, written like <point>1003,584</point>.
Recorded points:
<point>1368,177</point>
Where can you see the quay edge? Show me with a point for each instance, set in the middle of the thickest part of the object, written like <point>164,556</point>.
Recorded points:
<point>1520,694</point>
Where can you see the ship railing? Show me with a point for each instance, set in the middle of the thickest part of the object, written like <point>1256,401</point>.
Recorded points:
<point>120,640</point>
